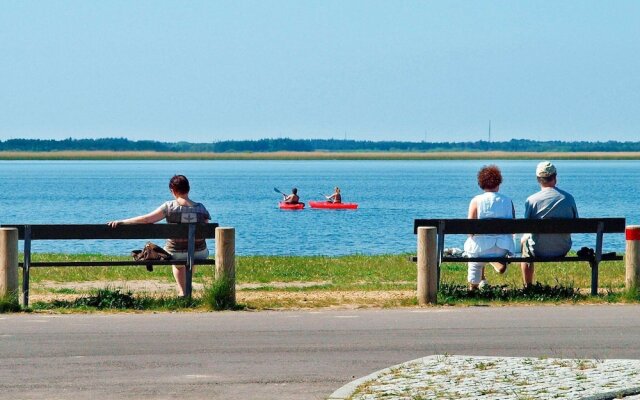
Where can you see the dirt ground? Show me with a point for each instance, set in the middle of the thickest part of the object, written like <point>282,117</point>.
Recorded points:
<point>275,297</point>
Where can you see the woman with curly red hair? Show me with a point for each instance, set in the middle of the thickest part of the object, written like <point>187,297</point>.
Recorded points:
<point>490,204</point>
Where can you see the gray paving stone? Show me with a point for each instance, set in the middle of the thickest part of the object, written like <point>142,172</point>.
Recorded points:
<point>497,378</point>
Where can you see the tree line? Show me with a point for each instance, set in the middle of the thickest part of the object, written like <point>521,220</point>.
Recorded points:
<point>309,145</point>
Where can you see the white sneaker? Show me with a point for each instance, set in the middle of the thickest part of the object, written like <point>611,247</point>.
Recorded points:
<point>483,284</point>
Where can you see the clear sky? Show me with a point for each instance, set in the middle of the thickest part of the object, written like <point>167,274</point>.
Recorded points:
<point>202,71</point>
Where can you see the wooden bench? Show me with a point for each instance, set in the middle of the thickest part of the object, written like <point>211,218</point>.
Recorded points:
<point>597,226</point>
<point>29,233</point>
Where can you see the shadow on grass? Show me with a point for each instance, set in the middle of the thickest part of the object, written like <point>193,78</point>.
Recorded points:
<point>452,293</point>
<point>115,299</point>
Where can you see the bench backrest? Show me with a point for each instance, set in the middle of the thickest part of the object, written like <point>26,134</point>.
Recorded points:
<point>103,231</point>
<point>493,226</point>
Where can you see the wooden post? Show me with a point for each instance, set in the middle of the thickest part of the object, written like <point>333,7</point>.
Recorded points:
<point>226,259</point>
<point>427,266</point>
<point>9,263</point>
<point>632,257</point>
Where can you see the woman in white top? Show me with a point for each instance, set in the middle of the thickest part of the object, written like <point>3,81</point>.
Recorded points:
<point>489,204</point>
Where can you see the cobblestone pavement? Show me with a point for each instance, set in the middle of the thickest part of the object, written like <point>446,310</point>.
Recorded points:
<point>492,378</point>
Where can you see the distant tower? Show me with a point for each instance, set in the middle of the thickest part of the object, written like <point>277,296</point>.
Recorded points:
<point>489,142</point>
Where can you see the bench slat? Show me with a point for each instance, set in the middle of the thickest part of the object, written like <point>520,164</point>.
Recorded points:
<point>526,259</point>
<point>605,257</point>
<point>98,232</point>
<point>114,263</point>
<point>495,226</point>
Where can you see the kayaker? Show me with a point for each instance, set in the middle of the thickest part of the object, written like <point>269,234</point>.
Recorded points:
<point>292,198</point>
<point>335,197</point>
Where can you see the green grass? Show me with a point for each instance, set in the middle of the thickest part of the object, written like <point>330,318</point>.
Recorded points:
<point>343,273</point>
<point>357,271</point>
<point>557,282</point>
<point>360,272</point>
<point>9,304</point>
<point>115,299</point>
<point>218,295</point>
<point>79,274</point>
<point>456,294</point>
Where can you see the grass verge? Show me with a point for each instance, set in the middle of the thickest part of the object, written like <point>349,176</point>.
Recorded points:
<point>116,299</point>
<point>218,295</point>
<point>9,303</point>
<point>285,282</point>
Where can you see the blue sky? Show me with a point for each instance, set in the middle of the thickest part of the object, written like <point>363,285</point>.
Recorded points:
<point>395,70</point>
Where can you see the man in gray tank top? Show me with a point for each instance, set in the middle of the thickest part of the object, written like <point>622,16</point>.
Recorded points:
<point>549,202</point>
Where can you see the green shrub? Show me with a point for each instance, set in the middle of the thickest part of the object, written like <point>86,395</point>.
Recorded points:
<point>631,295</point>
<point>110,299</point>
<point>218,295</point>
<point>9,303</point>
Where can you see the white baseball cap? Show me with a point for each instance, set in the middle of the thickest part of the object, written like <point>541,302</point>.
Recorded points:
<point>545,169</point>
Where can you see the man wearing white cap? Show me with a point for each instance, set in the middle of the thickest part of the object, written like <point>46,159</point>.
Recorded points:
<point>549,202</point>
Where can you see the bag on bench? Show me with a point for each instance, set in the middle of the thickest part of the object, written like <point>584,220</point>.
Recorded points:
<point>151,251</point>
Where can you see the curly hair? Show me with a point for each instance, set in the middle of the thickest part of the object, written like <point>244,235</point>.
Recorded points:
<point>489,177</point>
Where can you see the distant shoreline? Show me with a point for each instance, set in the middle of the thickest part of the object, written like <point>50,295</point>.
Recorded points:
<point>316,155</point>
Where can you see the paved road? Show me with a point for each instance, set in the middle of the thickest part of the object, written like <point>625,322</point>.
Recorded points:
<point>281,355</point>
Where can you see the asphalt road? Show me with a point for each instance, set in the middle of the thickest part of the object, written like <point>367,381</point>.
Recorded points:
<point>281,355</point>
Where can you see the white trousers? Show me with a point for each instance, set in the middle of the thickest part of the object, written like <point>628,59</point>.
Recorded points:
<point>182,255</point>
<point>474,273</point>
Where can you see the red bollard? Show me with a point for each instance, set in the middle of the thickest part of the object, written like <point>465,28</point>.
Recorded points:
<point>632,257</point>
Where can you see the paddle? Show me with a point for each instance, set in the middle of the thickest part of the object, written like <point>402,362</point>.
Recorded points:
<point>285,195</point>
<point>328,198</point>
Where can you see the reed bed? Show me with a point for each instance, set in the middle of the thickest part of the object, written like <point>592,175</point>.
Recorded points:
<point>317,155</point>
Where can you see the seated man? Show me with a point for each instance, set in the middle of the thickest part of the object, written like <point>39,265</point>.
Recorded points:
<point>292,198</point>
<point>549,202</point>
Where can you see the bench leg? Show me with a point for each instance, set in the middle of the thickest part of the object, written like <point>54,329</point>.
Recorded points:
<point>594,277</point>
<point>26,266</point>
<point>188,280</point>
<point>191,249</point>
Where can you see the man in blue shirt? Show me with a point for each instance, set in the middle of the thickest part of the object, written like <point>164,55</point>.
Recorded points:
<point>549,202</point>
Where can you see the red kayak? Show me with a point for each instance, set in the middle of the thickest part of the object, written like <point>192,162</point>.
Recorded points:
<point>291,206</point>
<point>333,206</point>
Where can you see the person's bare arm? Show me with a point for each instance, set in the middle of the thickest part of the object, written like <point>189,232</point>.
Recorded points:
<point>151,218</point>
<point>473,211</point>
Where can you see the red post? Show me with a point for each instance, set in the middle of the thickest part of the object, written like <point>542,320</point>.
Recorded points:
<point>632,257</point>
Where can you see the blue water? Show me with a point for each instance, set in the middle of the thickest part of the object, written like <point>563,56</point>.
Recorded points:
<point>391,194</point>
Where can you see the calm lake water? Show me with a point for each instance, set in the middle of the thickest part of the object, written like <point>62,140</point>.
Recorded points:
<point>390,195</point>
